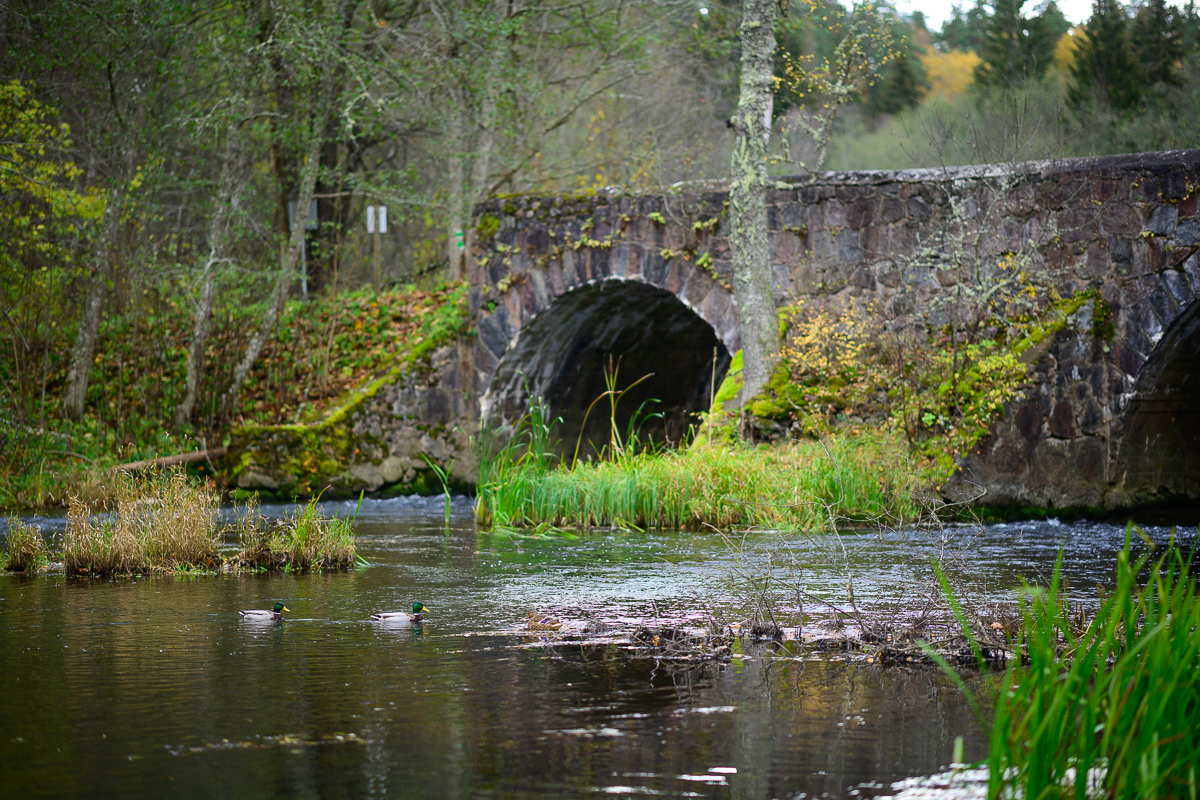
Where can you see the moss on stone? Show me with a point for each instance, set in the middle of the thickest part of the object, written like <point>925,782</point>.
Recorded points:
<point>305,457</point>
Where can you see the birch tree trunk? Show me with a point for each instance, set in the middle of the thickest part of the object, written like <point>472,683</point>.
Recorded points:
<point>84,348</point>
<point>748,198</point>
<point>456,178</point>
<point>226,201</point>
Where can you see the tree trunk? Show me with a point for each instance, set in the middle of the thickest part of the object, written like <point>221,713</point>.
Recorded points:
<point>748,199</point>
<point>89,324</point>
<point>456,177</point>
<point>289,259</point>
<point>226,201</point>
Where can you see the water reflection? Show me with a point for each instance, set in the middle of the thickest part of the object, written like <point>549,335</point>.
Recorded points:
<point>144,687</point>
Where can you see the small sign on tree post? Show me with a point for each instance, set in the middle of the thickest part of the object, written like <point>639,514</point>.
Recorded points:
<point>377,224</point>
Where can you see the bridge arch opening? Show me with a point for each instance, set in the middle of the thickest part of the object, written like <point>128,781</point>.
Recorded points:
<point>1161,446</point>
<point>561,354</point>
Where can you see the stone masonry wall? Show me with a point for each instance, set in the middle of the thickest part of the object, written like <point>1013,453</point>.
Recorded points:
<point>1124,226</point>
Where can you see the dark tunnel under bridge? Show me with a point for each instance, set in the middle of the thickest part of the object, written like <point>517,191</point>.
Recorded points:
<point>561,355</point>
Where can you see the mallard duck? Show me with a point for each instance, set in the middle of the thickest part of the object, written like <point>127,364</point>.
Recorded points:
<point>273,614</point>
<point>403,617</point>
<point>541,622</point>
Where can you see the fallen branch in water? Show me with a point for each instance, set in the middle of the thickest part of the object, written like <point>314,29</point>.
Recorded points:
<point>171,461</point>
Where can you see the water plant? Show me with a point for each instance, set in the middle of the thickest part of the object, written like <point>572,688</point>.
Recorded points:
<point>308,539</point>
<point>161,521</point>
<point>1106,705</point>
<point>27,550</point>
<point>808,485</point>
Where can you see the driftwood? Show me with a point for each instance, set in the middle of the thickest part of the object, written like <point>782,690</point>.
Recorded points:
<point>171,461</point>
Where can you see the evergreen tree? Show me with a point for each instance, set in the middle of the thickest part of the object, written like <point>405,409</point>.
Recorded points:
<point>1103,68</point>
<point>1156,42</point>
<point>1013,48</point>
<point>964,29</point>
<point>899,89</point>
<point>1054,21</point>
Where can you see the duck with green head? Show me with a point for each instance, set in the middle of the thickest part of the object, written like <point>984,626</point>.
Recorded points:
<point>273,614</point>
<point>403,617</point>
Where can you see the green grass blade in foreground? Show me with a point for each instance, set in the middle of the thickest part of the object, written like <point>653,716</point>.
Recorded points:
<point>1108,707</point>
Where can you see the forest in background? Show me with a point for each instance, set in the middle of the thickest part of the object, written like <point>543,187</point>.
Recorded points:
<point>153,285</point>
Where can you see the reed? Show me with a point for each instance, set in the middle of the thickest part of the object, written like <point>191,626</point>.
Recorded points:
<point>804,485</point>
<point>27,550</point>
<point>1105,706</point>
<point>305,540</point>
<point>162,521</point>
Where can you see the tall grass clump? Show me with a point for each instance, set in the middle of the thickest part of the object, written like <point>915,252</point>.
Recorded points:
<point>160,521</point>
<point>27,550</point>
<point>1107,706</point>
<point>810,485</point>
<point>305,540</point>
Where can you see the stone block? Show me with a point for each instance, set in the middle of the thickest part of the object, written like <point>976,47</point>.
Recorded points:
<point>1062,420</point>
<point>792,215</point>
<point>834,214</point>
<point>1187,233</point>
<point>1028,420</point>
<point>919,208</point>
<point>849,251</point>
<point>861,212</point>
<point>1161,220</point>
<point>891,210</point>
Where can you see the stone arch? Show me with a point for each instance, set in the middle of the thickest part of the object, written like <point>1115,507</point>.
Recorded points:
<point>1160,448</point>
<point>559,355</point>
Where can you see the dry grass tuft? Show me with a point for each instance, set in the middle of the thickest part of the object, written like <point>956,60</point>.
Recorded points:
<point>162,521</point>
<point>27,550</point>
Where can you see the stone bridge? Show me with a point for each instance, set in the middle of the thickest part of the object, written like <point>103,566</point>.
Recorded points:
<point>1110,416</point>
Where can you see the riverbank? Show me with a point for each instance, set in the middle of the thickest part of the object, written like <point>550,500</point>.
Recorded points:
<point>323,350</point>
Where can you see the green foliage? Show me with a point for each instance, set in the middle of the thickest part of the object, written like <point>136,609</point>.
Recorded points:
<point>840,371</point>
<point>900,88</point>
<point>1157,43</point>
<point>1104,70</point>
<point>1014,48</point>
<point>965,29</point>
<point>487,227</point>
<point>1103,703</point>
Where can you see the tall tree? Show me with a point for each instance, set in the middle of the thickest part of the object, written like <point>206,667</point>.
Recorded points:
<point>1014,48</point>
<point>1103,70</point>
<point>964,29</point>
<point>1156,42</point>
<point>748,197</point>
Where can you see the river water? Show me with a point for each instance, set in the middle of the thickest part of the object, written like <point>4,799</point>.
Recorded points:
<point>153,687</point>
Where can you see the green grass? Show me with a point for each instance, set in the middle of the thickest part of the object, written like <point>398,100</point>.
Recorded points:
<point>1113,700</point>
<point>806,485</point>
<point>26,551</point>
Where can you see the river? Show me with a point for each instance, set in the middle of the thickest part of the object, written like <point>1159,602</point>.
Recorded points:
<point>154,686</point>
